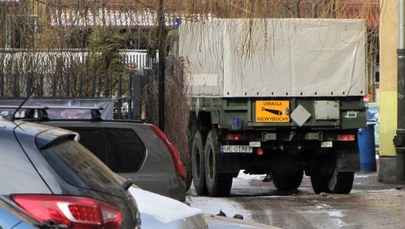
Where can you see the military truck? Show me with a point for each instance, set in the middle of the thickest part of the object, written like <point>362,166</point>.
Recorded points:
<point>283,97</point>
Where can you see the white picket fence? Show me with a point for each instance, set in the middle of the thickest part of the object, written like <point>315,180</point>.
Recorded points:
<point>47,60</point>
<point>137,57</point>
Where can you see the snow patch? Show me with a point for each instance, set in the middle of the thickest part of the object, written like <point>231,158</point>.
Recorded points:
<point>226,205</point>
<point>335,214</point>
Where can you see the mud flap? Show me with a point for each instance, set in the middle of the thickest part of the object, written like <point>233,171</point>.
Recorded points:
<point>348,158</point>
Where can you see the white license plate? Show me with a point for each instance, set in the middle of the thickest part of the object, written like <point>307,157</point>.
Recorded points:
<point>236,149</point>
<point>256,144</point>
<point>327,144</point>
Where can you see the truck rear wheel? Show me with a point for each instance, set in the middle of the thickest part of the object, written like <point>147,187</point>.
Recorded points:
<point>189,176</point>
<point>287,182</point>
<point>325,177</point>
<point>218,184</point>
<point>319,182</point>
<point>198,165</point>
<point>338,182</point>
<point>341,182</point>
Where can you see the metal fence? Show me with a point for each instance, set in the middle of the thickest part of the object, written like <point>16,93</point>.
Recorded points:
<point>54,75</point>
<point>47,60</point>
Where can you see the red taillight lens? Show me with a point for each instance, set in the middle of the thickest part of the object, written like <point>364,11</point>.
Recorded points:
<point>175,154</point>
<point>260,152</point>
<point>346,137</point>
<point>235,137</point>
<point>73,211</point>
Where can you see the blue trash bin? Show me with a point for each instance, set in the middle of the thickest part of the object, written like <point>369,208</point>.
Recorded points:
<point>366,141</point>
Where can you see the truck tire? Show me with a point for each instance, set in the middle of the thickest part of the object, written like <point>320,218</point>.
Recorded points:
<point>338,183</point>
<point>319,183</point>
<point>287,182</point>
<point>325,178</point>
<point>341,182</point>
<point>189,176</point>
<point>218,184</point>
<point>198,165</point>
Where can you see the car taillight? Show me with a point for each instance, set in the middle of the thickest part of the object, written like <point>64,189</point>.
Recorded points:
<point>72,211</point>
<point>174,153</point>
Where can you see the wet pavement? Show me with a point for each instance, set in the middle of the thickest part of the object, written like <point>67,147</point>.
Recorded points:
<point>371,204</point>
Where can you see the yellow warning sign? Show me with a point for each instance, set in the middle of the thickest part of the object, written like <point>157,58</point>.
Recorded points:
<point>272,111</point>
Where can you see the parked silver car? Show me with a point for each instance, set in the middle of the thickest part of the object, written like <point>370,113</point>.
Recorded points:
<point>13,217</point>
<point>52,177</point>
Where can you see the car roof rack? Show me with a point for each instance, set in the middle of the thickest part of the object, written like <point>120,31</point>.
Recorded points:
<point>40,113</point>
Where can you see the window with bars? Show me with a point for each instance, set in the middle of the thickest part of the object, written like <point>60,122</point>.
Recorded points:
<point>22,31</point>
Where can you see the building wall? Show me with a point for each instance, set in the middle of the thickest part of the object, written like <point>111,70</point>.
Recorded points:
<point>388,86</point>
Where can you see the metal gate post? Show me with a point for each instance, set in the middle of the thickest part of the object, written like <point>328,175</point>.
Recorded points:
<point>67,84</point>
<point>119,101</point>
<point>1,84</point>
<point>137,85</point>
<point>28,85</point>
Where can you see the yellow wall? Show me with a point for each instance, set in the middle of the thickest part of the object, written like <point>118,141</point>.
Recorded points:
<point>388,72</point>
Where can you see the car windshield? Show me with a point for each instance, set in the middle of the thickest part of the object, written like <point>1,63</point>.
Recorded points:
<point>79,167</point>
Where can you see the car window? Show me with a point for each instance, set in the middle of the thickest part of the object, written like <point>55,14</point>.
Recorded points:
<point>157,148</point>
<point>77,166</point>
<point>119,148</point>
<point>95,141</point>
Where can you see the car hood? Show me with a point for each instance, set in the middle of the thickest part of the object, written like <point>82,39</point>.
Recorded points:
<point>158,211</point>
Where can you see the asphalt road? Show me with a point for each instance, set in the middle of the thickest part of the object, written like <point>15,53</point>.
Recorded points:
<point>371,204</point>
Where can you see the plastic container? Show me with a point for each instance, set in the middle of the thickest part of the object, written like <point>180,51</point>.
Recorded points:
<point>366,141</point>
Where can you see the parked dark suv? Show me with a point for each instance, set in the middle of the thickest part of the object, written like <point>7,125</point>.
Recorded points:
<point>135,150</point>
<point>54,178</point>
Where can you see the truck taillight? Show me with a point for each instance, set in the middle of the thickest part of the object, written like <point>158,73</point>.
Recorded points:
<point>235,137</point>
<point>346,137</point>
<point>72,211</point>
<point>173,151</point>
<point>260,152</point>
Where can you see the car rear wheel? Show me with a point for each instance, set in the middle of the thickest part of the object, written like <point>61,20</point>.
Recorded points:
<point>218,184</point>
<point>197,165</point>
